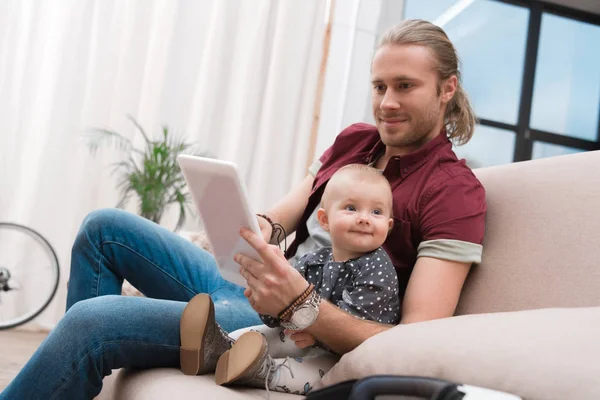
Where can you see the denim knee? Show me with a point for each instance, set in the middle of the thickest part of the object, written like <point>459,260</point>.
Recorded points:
<point>98,219</point>
<point>89,316</point>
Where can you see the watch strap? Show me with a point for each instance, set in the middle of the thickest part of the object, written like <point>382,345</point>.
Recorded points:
<point>314,302</point>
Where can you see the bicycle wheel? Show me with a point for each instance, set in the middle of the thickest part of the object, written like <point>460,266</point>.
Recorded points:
<point>29,274</point>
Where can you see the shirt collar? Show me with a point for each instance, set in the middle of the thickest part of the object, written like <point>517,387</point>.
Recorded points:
<point>320,257</point>
<point>407,163</point>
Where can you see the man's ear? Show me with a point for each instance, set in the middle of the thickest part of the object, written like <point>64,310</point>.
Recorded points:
<point>449,88</point>
<point>322,218</point>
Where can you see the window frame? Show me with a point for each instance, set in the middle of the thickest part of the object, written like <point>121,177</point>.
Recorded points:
<point>525,135</point>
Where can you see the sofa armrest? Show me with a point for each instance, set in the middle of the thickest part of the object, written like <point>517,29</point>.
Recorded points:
<point>540,354</point>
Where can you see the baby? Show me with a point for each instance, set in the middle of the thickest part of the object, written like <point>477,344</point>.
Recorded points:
<point>355,274</point>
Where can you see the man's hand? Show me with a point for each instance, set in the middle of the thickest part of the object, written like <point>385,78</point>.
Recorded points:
<point>265,228</point>
<point>301,339</point>
<point>273,284</point>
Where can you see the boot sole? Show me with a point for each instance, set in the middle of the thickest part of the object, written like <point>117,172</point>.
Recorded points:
<point>238,360</point>
<point>197,315</point>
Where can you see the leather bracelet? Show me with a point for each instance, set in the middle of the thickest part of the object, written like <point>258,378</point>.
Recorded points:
<point>277,231</point>
<point>271,222</point>
<point>299,300</point>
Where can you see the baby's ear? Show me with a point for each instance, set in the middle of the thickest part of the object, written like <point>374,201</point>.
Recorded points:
<point>390,225</point>
<point>322,218</point>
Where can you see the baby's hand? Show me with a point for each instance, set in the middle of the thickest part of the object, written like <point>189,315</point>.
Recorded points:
<point>301,339</point>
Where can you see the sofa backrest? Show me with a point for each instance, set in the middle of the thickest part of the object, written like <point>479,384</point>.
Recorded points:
<point>542,240</point>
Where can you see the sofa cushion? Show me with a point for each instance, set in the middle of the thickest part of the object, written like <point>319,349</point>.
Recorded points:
<point>541,354</point>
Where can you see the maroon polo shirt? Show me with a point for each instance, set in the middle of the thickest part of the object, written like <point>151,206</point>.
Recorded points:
<point>439,204</point>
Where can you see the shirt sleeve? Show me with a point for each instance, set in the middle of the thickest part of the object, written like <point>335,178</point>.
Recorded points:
<point>374,295</point>
<point>315,167</point>
<point>453,220</point>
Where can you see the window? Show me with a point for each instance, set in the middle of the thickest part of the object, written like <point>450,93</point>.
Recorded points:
<point>530,72</point>
<point>490,39</point>
<point>488,147</point>
<point>541,150</point>
<point>567,78</point>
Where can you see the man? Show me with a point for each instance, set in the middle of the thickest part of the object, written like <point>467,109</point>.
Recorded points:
<point>416,95</point>
<point>439,209</point>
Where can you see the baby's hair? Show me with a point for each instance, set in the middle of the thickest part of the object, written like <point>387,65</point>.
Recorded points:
<point>362,172</point>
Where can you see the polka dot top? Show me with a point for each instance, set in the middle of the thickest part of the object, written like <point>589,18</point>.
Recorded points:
<point>366,287</point>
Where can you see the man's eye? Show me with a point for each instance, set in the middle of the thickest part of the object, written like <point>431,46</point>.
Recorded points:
<point>379,88</point>
<point>405,86</point>
<point>350,208</point>
<point>377,212</point>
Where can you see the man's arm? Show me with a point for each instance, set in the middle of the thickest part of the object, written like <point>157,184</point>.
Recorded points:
<point>340,331</point>
<point>433,289</point>
<point>433,292</point>
<point>289,209</point>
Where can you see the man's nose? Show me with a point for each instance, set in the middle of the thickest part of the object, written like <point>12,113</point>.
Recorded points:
<point>389,101</point>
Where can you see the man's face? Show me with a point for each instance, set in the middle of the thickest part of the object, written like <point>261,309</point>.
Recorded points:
<point>407,107</point>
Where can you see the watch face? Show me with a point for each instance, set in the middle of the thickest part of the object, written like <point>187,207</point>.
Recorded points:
<point>304,316</point>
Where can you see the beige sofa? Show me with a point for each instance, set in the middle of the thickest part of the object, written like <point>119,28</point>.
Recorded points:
<point>541,251</point>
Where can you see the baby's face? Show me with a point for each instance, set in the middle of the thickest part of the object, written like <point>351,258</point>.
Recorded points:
<point>359,216</point>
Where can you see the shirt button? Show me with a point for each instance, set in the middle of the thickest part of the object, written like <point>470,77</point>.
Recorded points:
<point>405,170</point>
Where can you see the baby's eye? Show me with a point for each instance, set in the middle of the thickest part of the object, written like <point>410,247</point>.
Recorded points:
<point>350,207</point>
<point>377,212</point>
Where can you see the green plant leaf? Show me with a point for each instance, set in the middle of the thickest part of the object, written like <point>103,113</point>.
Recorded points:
<point>98,137</point>
<point>153,175</point>
<point>139,127</point>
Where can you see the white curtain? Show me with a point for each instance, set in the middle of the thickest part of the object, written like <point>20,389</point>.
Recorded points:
<point>239,77</point>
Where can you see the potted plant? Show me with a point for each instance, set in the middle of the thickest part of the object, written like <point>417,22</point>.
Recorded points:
<point>150,174</point>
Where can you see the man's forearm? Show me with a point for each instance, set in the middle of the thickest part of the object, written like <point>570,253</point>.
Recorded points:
<point>289,209</point>
<point>340,331</point>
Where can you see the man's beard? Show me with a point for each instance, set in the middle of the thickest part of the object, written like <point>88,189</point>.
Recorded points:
<point>419,130</point>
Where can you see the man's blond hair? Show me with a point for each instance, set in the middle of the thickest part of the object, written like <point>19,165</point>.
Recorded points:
<point>459,118</point>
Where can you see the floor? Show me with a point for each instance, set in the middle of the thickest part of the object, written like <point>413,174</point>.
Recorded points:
<point>15,349</point>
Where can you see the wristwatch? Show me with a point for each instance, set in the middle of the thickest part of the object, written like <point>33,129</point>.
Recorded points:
<point>305,314</point>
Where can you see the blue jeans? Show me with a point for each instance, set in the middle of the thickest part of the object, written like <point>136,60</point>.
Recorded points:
<point>102,330</point>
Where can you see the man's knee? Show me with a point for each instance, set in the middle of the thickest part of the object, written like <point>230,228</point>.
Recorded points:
<point>98,219</point>
<point>91,314</point>
<point>96,225</point>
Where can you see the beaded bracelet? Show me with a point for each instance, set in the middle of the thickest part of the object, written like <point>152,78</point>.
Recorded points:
<point>299,300</point>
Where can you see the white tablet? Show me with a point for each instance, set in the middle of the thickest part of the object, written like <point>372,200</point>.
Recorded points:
<point>222,202</point>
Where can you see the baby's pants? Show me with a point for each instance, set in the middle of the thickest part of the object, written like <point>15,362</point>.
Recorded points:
<point>300,369</point>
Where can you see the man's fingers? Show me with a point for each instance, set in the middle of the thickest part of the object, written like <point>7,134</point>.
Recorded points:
<point>254,240</point>
<point>253,267</point>
<point>262,248</point>
<point>250,278</point>
<point>246,270</point>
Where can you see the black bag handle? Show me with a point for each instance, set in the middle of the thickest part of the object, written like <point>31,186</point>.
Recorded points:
<point>378,385</point>
<point>415,386</point>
